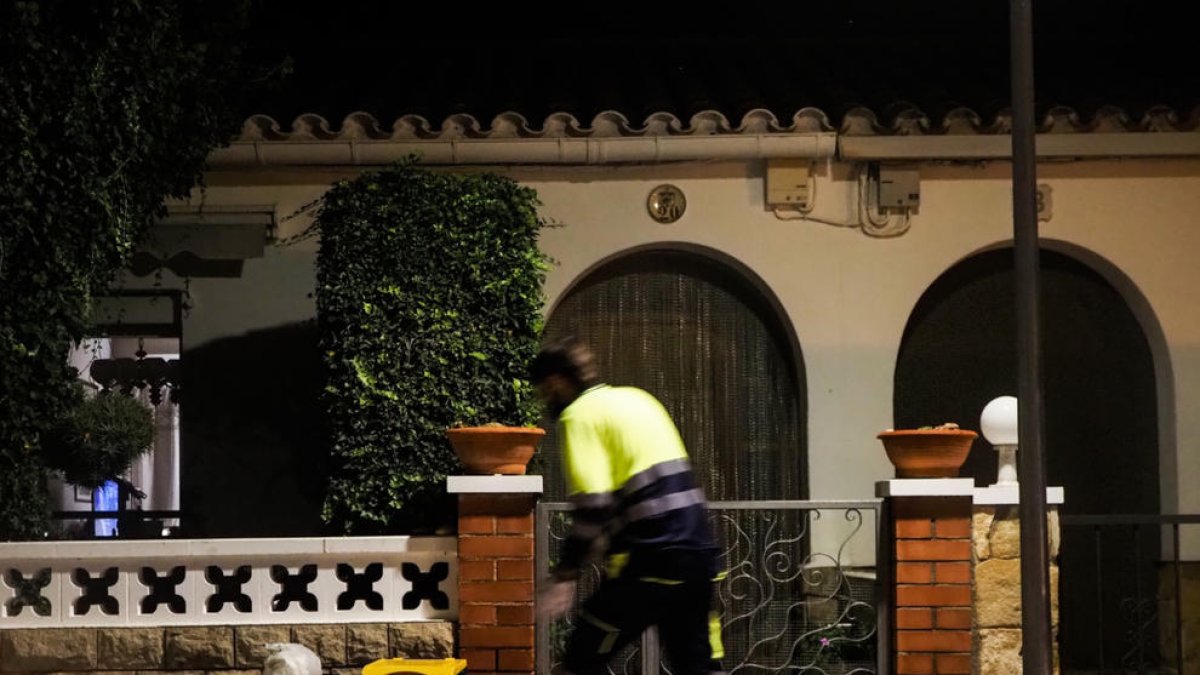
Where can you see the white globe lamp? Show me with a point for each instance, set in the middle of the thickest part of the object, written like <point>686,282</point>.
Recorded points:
<point>998,422</point>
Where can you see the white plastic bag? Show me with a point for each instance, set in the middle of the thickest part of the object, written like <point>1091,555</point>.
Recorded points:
<point>289,658</point>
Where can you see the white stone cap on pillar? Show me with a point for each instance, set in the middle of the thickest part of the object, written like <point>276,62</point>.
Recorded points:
<point>497,484</point>
<point>925,487</point>
<point>997,495</point>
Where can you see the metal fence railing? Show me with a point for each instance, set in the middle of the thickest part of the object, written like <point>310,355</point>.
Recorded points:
<point>1123,597</point>
<point>801,593</point>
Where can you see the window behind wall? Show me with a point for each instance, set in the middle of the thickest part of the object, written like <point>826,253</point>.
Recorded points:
<point>135,352</point>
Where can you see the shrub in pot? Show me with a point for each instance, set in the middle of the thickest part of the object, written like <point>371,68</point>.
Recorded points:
<point>100,438</point>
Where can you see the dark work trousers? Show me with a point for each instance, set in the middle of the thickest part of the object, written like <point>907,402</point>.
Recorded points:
<point>672,590</point>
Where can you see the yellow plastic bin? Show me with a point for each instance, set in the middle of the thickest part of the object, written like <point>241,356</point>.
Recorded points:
<point>419,666</point>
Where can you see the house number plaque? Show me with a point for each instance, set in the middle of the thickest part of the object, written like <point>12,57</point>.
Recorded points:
<point>666,203</point>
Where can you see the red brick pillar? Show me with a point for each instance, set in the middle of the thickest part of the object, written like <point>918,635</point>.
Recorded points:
<point>930,524</point>
<point>495,571</point>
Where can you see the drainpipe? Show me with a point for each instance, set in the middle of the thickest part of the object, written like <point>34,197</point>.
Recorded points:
<point>1035,586</point>
<point>639,149</point>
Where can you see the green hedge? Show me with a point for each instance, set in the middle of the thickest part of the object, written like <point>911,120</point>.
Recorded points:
<point>429,299</point>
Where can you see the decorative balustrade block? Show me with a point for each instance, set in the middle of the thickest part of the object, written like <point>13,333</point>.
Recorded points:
<point>228,582</point>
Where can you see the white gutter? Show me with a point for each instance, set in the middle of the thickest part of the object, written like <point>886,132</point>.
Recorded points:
<point>1096,144</point>
<point>651,149</point>
<point>241,154</point>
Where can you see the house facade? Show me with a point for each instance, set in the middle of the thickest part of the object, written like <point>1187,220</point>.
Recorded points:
<point>795,286</point>
<point>1119,199</point>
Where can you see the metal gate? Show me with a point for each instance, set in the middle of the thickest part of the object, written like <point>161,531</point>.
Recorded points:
<point>1125,596</point>
<point>801,592</point>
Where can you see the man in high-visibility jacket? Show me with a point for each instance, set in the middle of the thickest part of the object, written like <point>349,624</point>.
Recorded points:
<point>636,499</point>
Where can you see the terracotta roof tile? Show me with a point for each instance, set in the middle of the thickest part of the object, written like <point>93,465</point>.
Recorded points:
<point>932,68</point>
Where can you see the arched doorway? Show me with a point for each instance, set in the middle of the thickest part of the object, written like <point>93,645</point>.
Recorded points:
<point>699,334</point>
<point>1100,419</point>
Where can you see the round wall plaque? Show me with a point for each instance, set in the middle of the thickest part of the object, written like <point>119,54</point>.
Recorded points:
<point>666,203</point>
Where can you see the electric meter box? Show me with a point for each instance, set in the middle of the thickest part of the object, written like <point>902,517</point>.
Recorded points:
<point>787,182</point>
<point>899,187</point>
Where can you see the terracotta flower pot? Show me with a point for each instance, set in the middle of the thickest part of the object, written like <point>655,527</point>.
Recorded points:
<point>927,453</point>
<point>495,449</point>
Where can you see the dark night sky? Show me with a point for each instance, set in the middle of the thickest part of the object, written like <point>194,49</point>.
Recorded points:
<point>390,58</point>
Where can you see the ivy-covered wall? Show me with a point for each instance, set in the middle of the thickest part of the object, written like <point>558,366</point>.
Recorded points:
<point>429,298</point>
<point>107,108</point>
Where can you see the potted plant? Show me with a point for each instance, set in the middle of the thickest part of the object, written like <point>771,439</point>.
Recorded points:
<point>928,452</point>
<point>486,445</point>
<point>100,438</point>
<point>495,448</point>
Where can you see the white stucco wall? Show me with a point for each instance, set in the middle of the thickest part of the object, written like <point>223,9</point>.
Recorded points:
<point>848,296</point>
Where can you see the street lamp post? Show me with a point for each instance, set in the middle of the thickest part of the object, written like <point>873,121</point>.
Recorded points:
<point>1035,586</point>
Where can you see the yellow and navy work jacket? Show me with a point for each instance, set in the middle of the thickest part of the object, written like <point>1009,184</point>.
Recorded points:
<point>628,478</point>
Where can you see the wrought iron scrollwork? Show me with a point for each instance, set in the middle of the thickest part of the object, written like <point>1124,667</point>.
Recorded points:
<point>784,606</point>
<point>1140,618</point>
<point>793,608</point>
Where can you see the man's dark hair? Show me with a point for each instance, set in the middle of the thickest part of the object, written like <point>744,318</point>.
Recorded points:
<point>569,357</point>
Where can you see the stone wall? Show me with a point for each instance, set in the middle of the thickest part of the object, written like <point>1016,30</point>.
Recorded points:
<point>219,650</point>
<point>1190,614</point>
<point>996,533</point>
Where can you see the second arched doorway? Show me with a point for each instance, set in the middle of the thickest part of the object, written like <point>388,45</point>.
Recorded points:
<point>1100,420</point>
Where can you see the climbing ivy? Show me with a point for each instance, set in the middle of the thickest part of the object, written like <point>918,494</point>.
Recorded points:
<point>106,107</point>
<point>429,299</point>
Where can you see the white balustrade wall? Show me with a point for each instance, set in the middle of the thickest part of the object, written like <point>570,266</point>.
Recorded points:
<point>228,581</point>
